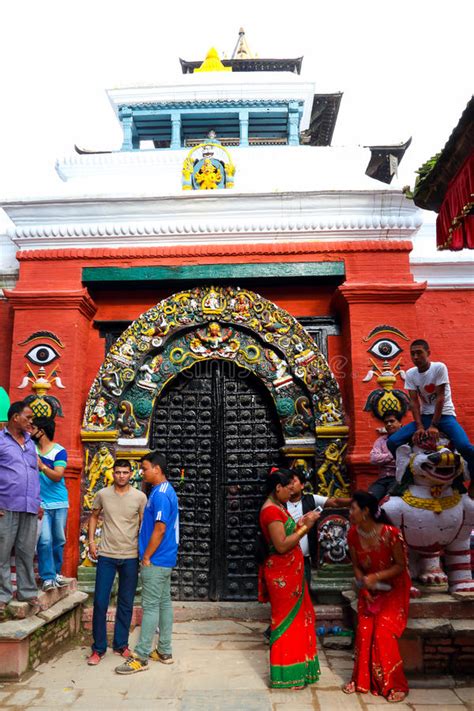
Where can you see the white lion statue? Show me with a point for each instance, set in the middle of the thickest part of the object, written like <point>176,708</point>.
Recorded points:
<point>433,515</point>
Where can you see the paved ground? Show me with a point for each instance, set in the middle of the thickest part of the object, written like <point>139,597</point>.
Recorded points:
<point>220,665</point>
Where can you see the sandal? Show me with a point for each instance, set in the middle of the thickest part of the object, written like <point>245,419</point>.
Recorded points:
<point>395,697</point>
<point>349,688</point>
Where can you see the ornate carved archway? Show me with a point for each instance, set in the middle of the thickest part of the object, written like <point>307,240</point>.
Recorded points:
<point>208,323</point>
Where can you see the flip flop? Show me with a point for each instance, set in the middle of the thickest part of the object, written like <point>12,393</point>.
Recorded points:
<point>345,688</point>
<point>391,700</point>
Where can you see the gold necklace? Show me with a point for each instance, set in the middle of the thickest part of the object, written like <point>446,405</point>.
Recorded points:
<point>277,503</point>
<point>435,504</point>
<point>367,534</point>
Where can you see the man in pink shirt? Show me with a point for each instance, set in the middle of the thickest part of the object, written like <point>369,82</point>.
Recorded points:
<point>383,458</point>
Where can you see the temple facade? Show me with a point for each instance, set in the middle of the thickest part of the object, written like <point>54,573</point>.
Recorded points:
<point>231,289</point>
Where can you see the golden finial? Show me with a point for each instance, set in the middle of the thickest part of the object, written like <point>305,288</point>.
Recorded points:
<point>212,63</point>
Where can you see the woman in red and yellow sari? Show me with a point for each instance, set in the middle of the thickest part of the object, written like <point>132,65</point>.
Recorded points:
<point>380,566</point>
<point>293,657</point>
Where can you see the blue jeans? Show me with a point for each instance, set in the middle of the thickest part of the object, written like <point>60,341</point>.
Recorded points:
<point>447,424</point>
<point>51,543</point>
<point>128,577</point>
<point>157,610</point>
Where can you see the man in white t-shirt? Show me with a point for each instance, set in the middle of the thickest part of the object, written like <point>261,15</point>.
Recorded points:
<point>299,504</point>
<point>432,406</point>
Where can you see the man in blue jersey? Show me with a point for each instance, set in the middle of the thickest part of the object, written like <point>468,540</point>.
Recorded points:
<point>54,502</point>
<point>158,548</point>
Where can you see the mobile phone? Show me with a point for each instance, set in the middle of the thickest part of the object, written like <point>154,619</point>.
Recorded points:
<point>318,509</point>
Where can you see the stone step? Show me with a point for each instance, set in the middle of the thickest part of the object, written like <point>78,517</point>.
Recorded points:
<point>21,628</point>
<point>185,611</point>
<point>441,606</point>
<point>439,636</point>
<point>17,610</point>
<point>28,641</point>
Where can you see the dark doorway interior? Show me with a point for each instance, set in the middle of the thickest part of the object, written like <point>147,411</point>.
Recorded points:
<point>218,427</point>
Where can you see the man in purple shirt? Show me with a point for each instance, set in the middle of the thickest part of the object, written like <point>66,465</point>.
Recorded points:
<point>383,459</point>
<point>19,504</point>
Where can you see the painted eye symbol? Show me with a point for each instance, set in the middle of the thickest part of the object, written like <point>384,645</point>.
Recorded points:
<point>385,348</point>
<point>42,354</point>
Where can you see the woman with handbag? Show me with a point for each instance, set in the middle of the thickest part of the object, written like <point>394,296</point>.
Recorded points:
<point>379,560</point>
<point>293,657</point>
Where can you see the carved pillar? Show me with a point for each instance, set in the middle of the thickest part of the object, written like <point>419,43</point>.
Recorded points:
<point>175,129</point>
<point>130,139</point>
<point>244,127</point>
<point>293,124</point>
<point>61,321</point>
<point>363,308</point>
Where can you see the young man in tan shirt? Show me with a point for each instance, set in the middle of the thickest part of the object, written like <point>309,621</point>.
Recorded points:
<point>122,509</point>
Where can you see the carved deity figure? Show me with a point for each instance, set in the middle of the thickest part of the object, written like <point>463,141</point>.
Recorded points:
<point>330,414</point>
<point>100,418</point>
<point>329,473</point>
<point>126,349</point>
<point>208,176</point>
<point>240,306</point>
<point>434,515</point>
<point>279,366</point>
<point>101,467</point>
<point>212,302</point>
<point>151,369</point>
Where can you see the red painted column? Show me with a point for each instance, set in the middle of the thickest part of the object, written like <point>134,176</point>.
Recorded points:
<point>362,308</point>
<point>67,315</point>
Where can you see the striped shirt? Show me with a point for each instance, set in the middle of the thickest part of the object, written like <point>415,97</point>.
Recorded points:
<point>53,493</point>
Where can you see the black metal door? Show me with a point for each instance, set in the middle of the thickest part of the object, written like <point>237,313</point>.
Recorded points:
<point>217,425</point>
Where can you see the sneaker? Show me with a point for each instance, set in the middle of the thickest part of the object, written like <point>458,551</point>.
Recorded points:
<point>61,581</point>
<point>125,652</point>
<point>94,659</point>
<point>132,666</point>
<point>48,585</point>
<point>163,658</point>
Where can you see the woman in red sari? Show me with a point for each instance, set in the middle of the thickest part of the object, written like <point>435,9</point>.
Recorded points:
<point>379,559</point>
<point>293,657</point>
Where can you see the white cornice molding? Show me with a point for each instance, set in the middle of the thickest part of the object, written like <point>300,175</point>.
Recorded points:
<point>450,274</point>
<point>258,169</point>
<point>217,87</point>
<point>440,269</point>
<point>197,218</point>
<point>7,281</point>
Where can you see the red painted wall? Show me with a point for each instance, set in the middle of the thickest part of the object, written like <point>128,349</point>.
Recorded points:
<point>379,289</point>
<point>446,320</point>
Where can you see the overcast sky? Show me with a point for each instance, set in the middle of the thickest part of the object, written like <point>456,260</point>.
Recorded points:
<point>405,68</point>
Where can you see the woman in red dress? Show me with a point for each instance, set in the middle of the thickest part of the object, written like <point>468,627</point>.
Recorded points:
<point>380,566</point>
<point>293,657</point>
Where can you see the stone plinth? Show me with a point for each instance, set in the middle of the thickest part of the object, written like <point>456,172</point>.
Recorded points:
<point>328,583</point>
<point>33,635</point>
<point>327,616</point>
